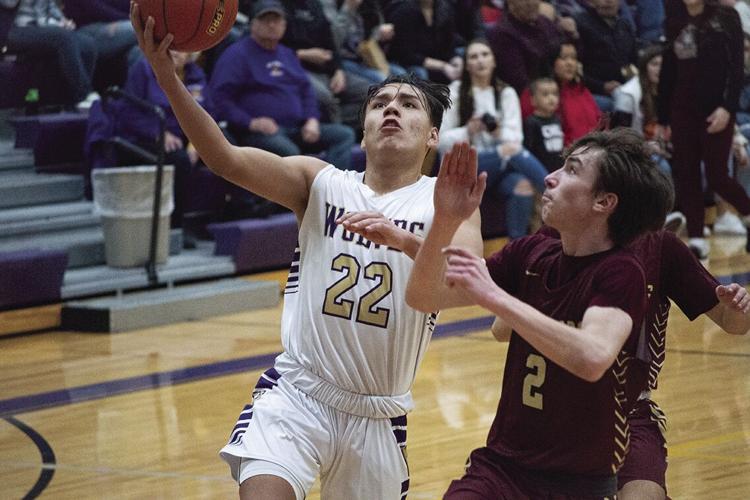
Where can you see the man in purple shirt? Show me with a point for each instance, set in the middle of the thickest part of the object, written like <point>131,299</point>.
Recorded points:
<point>262,91</point>
<point>575,305</point>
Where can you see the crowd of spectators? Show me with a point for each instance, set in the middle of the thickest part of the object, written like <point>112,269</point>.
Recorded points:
<point>527,77</point>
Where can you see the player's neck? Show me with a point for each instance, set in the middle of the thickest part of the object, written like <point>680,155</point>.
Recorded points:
<point>585,242</point>
<point>387,178</point>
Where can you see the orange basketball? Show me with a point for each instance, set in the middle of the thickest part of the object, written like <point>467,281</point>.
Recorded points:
<point>196,24</point>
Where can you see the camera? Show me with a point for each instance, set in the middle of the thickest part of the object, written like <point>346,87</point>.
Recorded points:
<point>489,122</point>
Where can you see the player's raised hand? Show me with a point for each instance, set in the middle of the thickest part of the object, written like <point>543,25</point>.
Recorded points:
<point>458,190</point>
<point>157,54</point>
<point>734,296</point>
<point>375,227</point>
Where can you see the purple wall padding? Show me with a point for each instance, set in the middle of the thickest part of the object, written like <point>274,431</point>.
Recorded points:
<point>56,138</point>
<point>31,277</point>
<point>257,244</point>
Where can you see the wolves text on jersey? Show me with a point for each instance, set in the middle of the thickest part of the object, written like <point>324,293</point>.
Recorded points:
<point>333,212</point>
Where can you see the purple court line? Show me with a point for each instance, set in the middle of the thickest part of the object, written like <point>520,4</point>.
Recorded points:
<point>100,390</point>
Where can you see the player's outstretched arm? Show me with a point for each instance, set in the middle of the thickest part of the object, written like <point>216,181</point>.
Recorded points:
<point>457,222</point>
<point>379,229</point>
<point>732,313</point>
<point>586,351</point>
<point>500,330</point>
<point>283,180</point>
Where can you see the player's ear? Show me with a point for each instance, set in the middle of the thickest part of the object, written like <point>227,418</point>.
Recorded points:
<point>432,138</point>
<point>606,203</point>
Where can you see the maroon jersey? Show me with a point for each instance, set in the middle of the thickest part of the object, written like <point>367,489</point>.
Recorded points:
<point>672,272</point>
<point>549,419</point>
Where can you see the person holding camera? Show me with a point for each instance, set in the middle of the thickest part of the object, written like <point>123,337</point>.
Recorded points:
<point>486,113</point>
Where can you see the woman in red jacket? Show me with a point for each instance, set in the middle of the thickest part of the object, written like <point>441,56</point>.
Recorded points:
<point>578,111</point>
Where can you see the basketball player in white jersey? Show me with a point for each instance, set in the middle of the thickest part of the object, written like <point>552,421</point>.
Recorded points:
<point>334,405</point>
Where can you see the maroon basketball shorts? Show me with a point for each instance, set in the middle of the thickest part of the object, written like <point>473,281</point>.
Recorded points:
<point>489,476</point>
<point>647,457</point>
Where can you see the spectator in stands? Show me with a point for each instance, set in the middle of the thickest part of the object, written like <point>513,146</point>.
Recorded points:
<point>263,92</point>
<point>608,50</point>
<point>542,131</point>
<point>41,29</point>
<point>108,22</point>
<point>352,40</point>
<point>524,42</point>
<point>487,114</point>
<point>635,104</point>
<point>699,88</point>
<point>578,111</point>
<point>468,19</point>
<point>142,128</point>
<point>309,33</point>
<point>426,40</point>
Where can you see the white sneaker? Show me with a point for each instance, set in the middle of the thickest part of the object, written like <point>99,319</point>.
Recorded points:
<point>85,105</point>
<point>706,231</point>
<point>674,222</point>
<point>729,223</point>
<point>699,247</point>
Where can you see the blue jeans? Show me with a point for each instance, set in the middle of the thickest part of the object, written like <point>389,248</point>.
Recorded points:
<point>372,75</point>
<point>74,51</point>
<point>502,179</point>
<point>335,141</point>
<point>114,39</point>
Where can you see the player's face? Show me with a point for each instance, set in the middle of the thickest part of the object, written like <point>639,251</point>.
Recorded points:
<point>569,198</point>
<point>397,118</point>
<point>546,98</point>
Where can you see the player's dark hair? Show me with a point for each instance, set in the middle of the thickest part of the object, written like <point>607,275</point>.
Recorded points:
<point>645,194</point>
<point>434,96</point>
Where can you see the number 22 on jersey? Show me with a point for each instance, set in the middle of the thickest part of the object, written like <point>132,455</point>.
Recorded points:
<point>379,273</point>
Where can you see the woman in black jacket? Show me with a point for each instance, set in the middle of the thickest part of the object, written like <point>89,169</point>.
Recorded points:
<point>699,88</point>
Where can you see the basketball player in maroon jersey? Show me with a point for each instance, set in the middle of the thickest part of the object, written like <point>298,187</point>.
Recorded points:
<point>672,273</point>
<point>576,306</point>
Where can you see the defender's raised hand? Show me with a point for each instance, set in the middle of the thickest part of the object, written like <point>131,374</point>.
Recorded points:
<point>458,190</point>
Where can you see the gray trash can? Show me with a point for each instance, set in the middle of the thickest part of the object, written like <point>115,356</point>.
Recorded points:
<point>124,197</point>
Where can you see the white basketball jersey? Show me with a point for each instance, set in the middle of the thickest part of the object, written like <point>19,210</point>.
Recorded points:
<point>345,317</point>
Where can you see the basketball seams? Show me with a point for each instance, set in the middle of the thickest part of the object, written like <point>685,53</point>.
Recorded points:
<point>187,22</point>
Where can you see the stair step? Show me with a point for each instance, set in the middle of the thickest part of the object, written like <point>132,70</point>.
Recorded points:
<point>47,211</point>
<point>43,225</point>
<point>16,159</point>
<point>85,246</point>
<point>169,305</point>
<point>26,188</point>
<point>190,265</point>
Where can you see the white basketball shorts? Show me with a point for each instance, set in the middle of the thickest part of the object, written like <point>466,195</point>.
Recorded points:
<point>356,457</point>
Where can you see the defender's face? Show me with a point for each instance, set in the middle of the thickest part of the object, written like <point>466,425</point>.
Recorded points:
<point>396,117</point>
<point>569,197</point>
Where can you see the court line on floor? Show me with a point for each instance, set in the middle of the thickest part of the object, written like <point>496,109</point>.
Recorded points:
<point>100,390</point>
<point>47,455</point>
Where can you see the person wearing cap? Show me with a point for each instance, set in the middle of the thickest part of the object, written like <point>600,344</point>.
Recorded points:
<point>263,92</point>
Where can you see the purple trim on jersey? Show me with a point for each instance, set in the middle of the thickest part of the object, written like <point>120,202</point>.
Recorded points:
<point>398,426</point>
